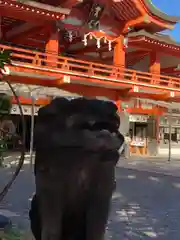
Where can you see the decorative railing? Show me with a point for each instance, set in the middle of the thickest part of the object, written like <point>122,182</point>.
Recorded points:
<point>74,67</point>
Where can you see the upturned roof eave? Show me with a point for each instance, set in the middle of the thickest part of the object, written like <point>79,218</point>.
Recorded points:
<point>156,12</point>
<point>161,38</point>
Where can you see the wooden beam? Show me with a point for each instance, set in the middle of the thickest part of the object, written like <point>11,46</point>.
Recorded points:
<point>28,101</point>
<point>140,43</point>
<point>154,111</point>
<point>132,57</point>
<point>23,30</point>
<point>156,97</point>
<point>152,19</point>
<point>135,60</point>
<point>69,3</point>
<point>136,22</point>
<point>163,25</point>
<point>104,60</point>
<point>30,43</point>
<point>174,69</point>
<point>89,49</point>
<point>174,99</point>
<point>140,7</point>
<point>34,33</point>
<point>89,91</point>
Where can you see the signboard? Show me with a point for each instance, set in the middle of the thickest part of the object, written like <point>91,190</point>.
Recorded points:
<point>27,109</point>
<point>137,144</point>
<point>146,106</point>
<point>95,15</point>
<point>138,118</point>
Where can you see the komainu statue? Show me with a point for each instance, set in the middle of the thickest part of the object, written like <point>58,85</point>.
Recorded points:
<point>77,147</point>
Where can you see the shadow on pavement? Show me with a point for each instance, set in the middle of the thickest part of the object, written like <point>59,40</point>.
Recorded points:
<point>144,206</point>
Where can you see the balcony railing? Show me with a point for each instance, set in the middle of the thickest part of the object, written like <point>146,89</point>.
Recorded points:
<point>85,69</point>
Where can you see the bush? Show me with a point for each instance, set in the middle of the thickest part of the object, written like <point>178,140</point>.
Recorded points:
<point>15,234</point>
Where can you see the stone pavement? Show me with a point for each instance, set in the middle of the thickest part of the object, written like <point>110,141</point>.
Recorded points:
<point>12,158</point>
<point>145,205</point>
<point>156,165</point>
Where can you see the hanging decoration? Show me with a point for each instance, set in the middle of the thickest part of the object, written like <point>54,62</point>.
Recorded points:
<point>105,39</point>
<point>125,42</point>
<point>91,35</point>
<point>70,36</point>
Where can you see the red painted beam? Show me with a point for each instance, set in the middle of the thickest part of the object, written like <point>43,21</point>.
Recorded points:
<point>102,60</point>
<point>156,97</point>
<point>141,42</point>
<point>174,69</point>
<point>133,57</point>
<point>29,32</point>
<point>69,3</point>
<point>28,101</point>
<point>89,49</point>
<point>134,61</point>
<point>30,43</point>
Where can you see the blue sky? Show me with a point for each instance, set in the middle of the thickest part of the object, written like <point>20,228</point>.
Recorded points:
<point>171,7</point>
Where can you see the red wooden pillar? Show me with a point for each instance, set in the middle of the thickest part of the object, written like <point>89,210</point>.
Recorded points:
<point>119,53</point>
<point>52,48</point>
<point>118,104</point>
<point>0,27</point>
<point>119,58</point>
<point>155,67</point>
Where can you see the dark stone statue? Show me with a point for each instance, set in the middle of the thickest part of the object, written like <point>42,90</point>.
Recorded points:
<point>77,143</point>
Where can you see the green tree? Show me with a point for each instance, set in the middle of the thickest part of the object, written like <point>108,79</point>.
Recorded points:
<point>5,102</point>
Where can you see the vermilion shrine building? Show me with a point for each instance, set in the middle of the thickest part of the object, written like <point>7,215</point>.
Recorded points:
<point>111,49</point>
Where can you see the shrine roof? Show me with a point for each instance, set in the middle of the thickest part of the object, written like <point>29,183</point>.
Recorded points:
<point>147,4</point>
<point>159,37</point>
<point>158,13</point>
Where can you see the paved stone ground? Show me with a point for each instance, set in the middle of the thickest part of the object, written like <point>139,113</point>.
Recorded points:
<point>156,165</point>
<point>145,206</point>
